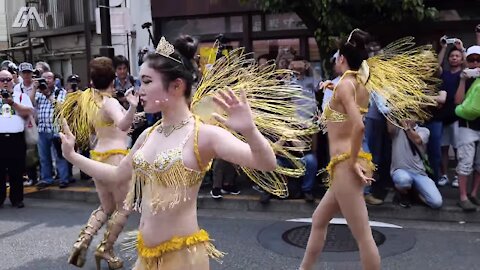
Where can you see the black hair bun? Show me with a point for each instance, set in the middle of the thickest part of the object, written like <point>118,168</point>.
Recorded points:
<point>187,46</point>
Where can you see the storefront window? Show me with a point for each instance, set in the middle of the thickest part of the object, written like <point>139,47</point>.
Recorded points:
<point>287,21</point>
<point>204,26</point>
<point>256,23</point>
<point>271,47</point>
<point>207,53</point>
<point>236,24</point>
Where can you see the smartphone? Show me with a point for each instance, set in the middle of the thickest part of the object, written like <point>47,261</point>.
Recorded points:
<point>450,40</point>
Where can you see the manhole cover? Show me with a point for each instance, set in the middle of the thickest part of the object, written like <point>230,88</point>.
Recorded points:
<point>339,238</point>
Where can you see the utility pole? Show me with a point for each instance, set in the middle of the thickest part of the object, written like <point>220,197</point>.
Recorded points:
<point>29,30</point>
<point>106,49</point>
<point>88,35</point>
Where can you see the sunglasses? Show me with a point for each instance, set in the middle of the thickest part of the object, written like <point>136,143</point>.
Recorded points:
<point>5,80</point>
<point>475,58</point>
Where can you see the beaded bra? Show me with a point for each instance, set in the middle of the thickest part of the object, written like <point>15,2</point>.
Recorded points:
<point>164,182</point>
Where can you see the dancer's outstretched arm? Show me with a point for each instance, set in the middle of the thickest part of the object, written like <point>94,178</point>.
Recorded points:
<point>219,143</point>
<point>115,111</point>
<point>98,170</point>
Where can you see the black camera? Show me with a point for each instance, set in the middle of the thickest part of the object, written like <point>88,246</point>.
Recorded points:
<point>5,93</point>
<point>42,84</point>
<point>36,74</point>
<point>119,94</point>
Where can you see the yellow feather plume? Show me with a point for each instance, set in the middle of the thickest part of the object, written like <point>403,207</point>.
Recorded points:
<point>275,104</point>
<point>80,109</point>
<point>404,76</point>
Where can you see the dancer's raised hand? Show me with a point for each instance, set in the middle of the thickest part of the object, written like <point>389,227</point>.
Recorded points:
<point>68,140</point>
<point>132,97</point>
<point>239,114</point>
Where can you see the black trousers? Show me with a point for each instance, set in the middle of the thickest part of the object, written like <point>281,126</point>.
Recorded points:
<point>12,163</point>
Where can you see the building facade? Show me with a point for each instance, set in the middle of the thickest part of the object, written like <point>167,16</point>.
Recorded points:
<point>61,41</point>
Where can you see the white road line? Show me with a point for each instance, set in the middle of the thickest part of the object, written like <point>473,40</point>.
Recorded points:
<point>344,222</point>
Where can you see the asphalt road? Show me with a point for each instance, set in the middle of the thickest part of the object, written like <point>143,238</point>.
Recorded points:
<point>40,237</point>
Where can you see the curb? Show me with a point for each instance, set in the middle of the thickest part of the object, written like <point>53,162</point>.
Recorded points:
<point>388,210</point>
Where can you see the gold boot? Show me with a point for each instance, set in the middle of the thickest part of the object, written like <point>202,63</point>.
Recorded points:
<point>105,248</point>
<point>79,252</point>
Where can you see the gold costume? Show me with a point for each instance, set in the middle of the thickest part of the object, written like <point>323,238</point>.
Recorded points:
<point>164,183</point>
<point>81,110</point>
<point>403,77</point>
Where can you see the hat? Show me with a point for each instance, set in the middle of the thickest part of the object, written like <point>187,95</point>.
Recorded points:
<point>25,67</point>
<point>73,78</point>
<point>473,50</point>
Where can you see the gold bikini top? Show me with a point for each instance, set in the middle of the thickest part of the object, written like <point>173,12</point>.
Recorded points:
<point>164,183</point>
<point>331,115</point>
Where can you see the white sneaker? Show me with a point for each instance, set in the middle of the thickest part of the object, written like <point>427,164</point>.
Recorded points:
<point>455,182</point>
<point>28,183</point>
<point>443,181</point>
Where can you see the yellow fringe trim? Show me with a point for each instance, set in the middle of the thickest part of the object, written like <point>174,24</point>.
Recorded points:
<point>151,254</point>
<point>342,157</point>
<point>102,156</point>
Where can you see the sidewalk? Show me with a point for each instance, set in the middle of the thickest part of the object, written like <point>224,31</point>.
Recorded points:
<point>248,200</point>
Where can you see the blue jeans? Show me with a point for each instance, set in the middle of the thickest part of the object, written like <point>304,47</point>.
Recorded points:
<point>434,147</point>
<point>45,143</point>
<point>404,179</point>
<point>311,168</point>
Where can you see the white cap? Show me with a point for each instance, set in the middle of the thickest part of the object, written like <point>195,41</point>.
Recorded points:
<point>473,50</point>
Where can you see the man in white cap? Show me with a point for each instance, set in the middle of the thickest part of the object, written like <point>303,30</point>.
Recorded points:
<point>26,72</point>
<point>468,141</point>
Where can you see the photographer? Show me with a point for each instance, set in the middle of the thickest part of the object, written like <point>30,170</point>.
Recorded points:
<point>13,69</point>
<point>15,107</point>
<point>73,83</point>
<point>123,80</point>
<point>468,150</point>
<point>45,98</point>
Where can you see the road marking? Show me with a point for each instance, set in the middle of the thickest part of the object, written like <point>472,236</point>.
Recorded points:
<point>343,221</point>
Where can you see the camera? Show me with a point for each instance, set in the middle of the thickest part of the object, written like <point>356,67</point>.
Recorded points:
<point>472,72</point>
<point>36,74</point>
<point>119,94</point>
<point>4,93</point>
<point>446,40</point>
<point>42,84</point>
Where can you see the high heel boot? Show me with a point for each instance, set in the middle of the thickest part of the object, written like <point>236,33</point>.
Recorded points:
<point>105,248</point>
<point>94,223</point>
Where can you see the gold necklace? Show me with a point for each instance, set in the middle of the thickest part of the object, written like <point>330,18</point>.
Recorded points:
<point>168,130</point>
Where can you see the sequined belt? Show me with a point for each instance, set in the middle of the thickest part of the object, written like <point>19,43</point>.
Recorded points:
<point>342,157</point>
<point>152,255</point>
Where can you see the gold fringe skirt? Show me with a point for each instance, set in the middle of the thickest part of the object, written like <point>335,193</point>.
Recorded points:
<point>102,156</point>
<point>342,157</point>
<point>186,252</point>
